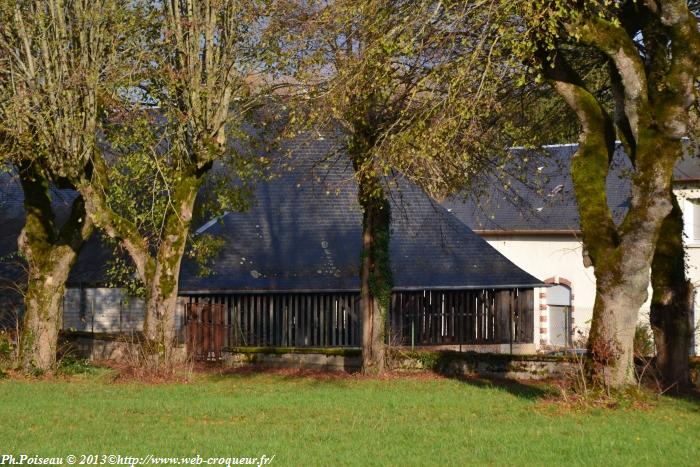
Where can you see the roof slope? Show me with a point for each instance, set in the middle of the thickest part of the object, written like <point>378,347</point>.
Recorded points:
<point>92,262</point>
<point>304,233</point>
<point>546,202</point>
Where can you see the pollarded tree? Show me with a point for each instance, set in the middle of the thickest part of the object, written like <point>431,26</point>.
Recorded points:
<point>57,60</point>
<point>198,59</point>
<point>653,51</point>
<point>410,86</point>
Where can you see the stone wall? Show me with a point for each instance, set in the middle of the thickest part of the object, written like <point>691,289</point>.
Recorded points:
<point>348,360</point>
<point>489,365</point>
<point>446,362</point>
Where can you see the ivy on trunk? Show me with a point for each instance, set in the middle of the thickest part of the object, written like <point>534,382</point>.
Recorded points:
<point>375,270</point>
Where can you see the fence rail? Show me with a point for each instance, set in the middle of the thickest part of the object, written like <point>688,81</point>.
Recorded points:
<point>434,317</point>
<point>289,320</point>
<point>429,317</point>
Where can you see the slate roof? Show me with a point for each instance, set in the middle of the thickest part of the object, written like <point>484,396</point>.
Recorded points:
<point>304,234</point>
<point>94,254</point>
<point>546,203</point>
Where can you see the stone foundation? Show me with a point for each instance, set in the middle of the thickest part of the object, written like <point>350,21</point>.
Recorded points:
<point>348,360</point>
<point>446,362</point>
<point>489,365</point>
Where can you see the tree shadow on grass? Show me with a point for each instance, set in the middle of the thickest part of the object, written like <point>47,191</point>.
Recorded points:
<point>690,396</point>
<point>314,377</point>
<point>530,390</point>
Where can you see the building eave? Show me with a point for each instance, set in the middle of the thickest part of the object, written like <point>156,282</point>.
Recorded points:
<point>528,232</point>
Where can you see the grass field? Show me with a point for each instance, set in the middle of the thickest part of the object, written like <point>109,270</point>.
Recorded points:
<point>338,421</point>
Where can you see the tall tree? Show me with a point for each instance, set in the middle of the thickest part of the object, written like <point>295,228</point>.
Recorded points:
<point>410,86</point>
<point>57,58</point>
<point>672,303</point>
<point>200,54</point>
<point>653,52</point>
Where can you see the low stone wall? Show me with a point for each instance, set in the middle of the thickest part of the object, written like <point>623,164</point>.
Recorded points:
<point>446,362</point>
<point>489,365</point>
<point>333,359</point>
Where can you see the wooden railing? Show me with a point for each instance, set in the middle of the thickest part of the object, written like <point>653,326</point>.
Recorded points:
<point>435,317</point>
<point>417,318</point>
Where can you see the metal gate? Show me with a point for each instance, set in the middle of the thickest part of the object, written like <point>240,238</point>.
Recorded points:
<point>205,330</point>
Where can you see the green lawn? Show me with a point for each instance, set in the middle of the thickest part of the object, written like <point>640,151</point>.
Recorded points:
<point>312,421</point>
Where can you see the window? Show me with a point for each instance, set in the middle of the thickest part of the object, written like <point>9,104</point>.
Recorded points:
<point>691,219</point>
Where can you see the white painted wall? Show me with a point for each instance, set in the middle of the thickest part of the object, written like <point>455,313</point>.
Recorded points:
<point>689,199</point>
<point>559,256</point>
<point>552,256</point>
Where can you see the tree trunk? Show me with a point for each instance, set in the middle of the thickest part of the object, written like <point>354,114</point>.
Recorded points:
<point>161,300</point>
<point>50,254</point>
<point>653,93</point>
<point>159,273</point>
<point>671,303</point>
<point>163,284</point>
<point>375,282</point>
<point>42,319</point>
<point>611,339</point>
<point>622,262</point>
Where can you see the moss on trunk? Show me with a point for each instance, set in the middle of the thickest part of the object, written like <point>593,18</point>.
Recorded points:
<point>50,251</point>
<point>162,280</point>
<point>621,254</point>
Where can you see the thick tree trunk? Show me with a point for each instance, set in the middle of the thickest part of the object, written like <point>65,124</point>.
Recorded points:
<point>622,262</point>
<point>163,282</point>
<point>42,319</point>
<point>161,301</point>
<point>611,339</point>
<point>50,253</point>
<point>653,93</point>
<point>375,282</point>
<point>671,303</point>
